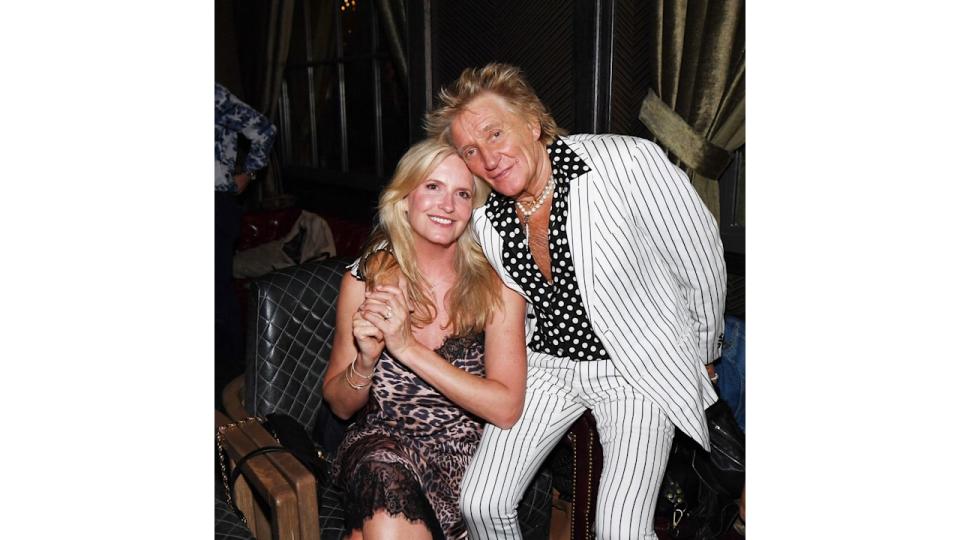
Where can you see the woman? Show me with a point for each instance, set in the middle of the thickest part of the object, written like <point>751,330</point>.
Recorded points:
<point>429,343</point>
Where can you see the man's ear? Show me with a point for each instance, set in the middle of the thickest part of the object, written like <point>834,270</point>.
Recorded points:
<point>535,128</point>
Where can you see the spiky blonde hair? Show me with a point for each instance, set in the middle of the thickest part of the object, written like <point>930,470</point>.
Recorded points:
<point>503,80</point>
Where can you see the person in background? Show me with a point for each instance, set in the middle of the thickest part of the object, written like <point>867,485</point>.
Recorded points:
<point>232,117</point>
<point>623,268</point>
<point>428,346</point>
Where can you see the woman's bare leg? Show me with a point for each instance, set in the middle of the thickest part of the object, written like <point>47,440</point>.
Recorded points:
<point>383,526</point>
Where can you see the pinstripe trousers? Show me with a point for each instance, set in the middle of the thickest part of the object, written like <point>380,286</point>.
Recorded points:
<point>635,434</point>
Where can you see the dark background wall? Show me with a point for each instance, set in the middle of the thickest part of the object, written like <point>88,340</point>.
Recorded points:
<point>537,36</point>
<point>587,59</point>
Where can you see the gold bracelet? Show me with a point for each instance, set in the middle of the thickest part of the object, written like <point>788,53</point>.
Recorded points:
<point>354,371</point>
<point>346,377</point>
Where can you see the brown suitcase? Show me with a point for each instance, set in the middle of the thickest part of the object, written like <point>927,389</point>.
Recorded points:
<point>275,492</point>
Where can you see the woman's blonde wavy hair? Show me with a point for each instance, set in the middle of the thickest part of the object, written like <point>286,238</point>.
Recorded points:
<point>503,80</point>
<point>390,249</point>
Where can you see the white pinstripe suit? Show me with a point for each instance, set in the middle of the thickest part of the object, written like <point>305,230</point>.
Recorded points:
<point>649,261</point>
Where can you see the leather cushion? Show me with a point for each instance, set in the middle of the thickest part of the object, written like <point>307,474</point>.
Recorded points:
<point>227,524</point>
<point>289,338</point>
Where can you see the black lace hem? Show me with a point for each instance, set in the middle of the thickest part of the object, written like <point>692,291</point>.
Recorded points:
<point>390,487</point>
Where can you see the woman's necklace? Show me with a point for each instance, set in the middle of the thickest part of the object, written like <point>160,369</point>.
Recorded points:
<point>527,212</point>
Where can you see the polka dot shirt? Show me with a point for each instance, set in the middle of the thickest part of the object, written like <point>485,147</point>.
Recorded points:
<point>563,329</point>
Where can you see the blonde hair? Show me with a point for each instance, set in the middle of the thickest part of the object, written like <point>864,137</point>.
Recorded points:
<point>503,80</point>
<point>390,251</point>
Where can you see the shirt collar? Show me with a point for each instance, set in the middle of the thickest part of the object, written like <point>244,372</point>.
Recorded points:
<point>566,164</point>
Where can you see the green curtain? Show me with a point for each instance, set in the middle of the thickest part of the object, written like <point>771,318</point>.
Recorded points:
<point>394,34</point>
<point>277,47</point>
<point>696,108</point>
<point>323,46</point>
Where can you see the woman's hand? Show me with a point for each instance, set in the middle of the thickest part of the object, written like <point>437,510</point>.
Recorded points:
<point>386,309</point>
<point>369,340</point>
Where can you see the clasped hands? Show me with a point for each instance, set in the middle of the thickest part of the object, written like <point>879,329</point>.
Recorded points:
<point>382,320</point>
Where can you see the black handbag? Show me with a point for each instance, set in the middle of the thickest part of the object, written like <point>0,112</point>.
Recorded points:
<point>294,438</point>
<point>724,468</point>
<point>701,489</point>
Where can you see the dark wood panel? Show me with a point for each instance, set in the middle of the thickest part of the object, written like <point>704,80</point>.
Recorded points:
<point>588,60</point>
<point>632,57</point>
<point>536,36</point>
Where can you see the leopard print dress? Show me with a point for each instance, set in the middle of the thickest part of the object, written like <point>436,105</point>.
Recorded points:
<point>411,445</point>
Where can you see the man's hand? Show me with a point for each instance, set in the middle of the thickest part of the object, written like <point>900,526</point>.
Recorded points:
<point>712,373</point>
<point>242,180</point>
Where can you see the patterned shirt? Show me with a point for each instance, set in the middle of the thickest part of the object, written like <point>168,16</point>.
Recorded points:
<point>563,329</point>
<point>234,116</point>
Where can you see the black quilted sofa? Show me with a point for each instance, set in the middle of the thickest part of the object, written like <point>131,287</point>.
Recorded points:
<point>290,324</point>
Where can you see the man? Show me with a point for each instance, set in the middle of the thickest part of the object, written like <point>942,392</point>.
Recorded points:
<point>622,266</point>
<point>232,117</point>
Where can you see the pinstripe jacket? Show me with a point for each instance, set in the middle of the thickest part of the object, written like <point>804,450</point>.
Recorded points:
<point>649,261</point>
